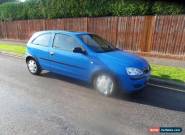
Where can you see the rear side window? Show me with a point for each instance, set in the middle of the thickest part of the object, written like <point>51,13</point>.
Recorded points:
<point>42,40</point>
<point>65,42</point>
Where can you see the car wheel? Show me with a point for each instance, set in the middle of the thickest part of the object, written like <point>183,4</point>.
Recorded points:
<point>105,84</point>
<point>33,66</point>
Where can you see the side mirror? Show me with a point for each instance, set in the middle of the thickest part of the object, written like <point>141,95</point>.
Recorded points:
<point>79,50</point>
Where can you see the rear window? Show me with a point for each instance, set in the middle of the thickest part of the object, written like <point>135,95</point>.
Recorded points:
<point>42,40</point>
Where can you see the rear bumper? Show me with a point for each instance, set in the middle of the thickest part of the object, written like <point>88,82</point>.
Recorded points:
<point>128,85</point>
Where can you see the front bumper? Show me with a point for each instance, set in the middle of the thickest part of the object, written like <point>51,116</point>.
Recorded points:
<point>128,85</point>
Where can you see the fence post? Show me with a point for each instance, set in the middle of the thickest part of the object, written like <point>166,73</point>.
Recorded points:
<point>17,30</point>
<point>149,25</point>
<point>87,24</point>
<point>6,33</point>
<point>117,25</point>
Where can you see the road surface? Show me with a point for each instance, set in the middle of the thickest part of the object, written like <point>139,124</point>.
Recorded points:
<point>55,105</point>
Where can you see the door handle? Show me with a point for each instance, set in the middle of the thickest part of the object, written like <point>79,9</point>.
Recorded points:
<point>51,53</point>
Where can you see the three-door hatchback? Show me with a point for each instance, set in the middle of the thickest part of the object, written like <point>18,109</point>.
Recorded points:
<point>87,57</point>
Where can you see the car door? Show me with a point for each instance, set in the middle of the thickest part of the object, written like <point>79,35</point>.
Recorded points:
<point>39,48</point>
<point>65,61</point>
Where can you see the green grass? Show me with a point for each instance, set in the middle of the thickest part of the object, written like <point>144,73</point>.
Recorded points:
<point>159,71</point>
<point>12,48</point>
<point>168,72</point>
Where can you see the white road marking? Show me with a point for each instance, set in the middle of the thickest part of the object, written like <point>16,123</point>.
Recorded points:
<point>165,87</point>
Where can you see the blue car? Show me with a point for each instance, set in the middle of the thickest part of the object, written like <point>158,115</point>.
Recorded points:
<point>89,58</point>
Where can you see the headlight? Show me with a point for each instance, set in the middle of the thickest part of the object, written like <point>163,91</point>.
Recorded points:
<point>134,71</point>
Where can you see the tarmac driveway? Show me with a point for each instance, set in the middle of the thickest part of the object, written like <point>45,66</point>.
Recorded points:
<point>55,105</point>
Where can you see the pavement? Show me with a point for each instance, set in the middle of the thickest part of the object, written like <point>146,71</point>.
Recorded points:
<point>13,41</point>
<point>166,62</point>
<point>55,105</point>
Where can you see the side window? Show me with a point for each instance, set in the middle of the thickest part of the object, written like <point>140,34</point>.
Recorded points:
<point>65,42</point>
<point>42,40</point>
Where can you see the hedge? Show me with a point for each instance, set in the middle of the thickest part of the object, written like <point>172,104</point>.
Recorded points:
<point>37,9</point>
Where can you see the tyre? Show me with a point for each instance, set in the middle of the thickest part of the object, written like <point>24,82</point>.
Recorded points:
<point>33,66</point>
<point>105,84</point>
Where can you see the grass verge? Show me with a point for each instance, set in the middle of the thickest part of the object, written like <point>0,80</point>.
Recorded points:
<point>168,72</point>
<point>13,48</point>
<point>158,71</point>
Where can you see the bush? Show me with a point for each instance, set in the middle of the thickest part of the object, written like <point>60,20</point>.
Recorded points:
<point>167,8</point>
<point>129,7</point>
<point>7,11</point>
<point>42,9</point>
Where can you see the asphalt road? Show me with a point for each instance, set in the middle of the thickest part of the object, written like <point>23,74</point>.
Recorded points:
<point>55,105</point>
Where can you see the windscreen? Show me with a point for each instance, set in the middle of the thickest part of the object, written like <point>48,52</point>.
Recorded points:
<point>96,43</point>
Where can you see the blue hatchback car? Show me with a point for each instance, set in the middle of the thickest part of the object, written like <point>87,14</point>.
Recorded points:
<point>87,57</point>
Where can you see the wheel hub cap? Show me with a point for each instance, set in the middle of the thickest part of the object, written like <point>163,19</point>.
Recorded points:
<point>32,66</point>
<point>104,84</point>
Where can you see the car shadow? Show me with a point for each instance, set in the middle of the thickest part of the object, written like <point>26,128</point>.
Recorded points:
<point>158,97</point>
<point>151,95</point>
<point>65,78</point>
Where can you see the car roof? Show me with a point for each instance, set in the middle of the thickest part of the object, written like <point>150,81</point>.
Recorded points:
<point>61,31</point>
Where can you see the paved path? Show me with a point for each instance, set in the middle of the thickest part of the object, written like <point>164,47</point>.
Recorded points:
<point>166,62</point>
<point>54,105</point>
<point>13,42</point>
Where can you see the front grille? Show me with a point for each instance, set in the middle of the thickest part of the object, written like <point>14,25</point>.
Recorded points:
<point>146,70</point>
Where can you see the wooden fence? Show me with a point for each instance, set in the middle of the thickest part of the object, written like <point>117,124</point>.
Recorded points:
<point>162,36</point>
